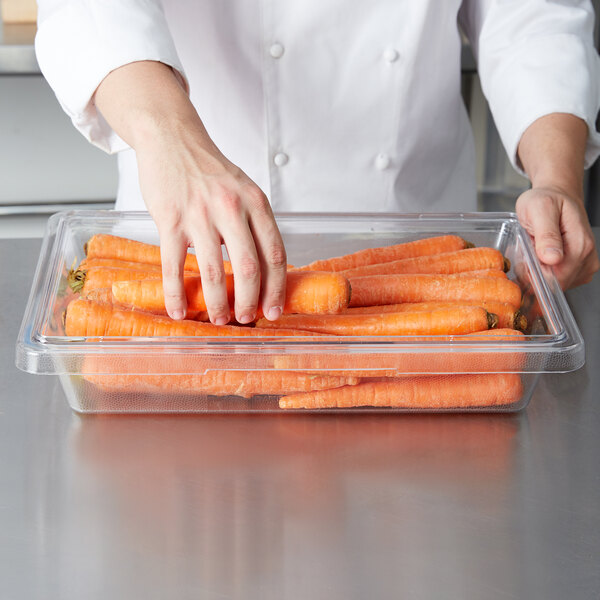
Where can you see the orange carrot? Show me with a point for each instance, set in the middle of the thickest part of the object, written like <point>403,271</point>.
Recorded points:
<point>453,320</point>
<point>507,316</point>
<point>478,273</point>
<point>105,295</point>
<point>106,246</point>
<point>221,383</point>
<point>103,245</point>
<point>177,364</point>
<point>148,294</point>
<point>470,259</point>
<point>316,293</point>
<point>503,332</point>
<point>436,392</point>
<point>85,280</point>
<point>88,318</point>
<point>306,292</point>
<point>472,358</point>
<point>369,256</point>
<point>86,263</point>
<point>393,289</point>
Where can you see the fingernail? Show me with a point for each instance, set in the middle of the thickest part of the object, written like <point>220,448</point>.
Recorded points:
<point>221,321</point>
<point>274,313</point>
<point>177,315</point>
<point>246,318</point>
<point>552,252</point>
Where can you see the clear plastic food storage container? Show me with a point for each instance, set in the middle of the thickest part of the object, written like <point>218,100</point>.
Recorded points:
<point>170,374</point>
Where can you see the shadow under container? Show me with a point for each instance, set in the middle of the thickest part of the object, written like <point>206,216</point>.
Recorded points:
<point>166,374</point>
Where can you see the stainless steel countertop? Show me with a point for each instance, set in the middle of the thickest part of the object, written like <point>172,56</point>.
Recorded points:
<point>297,506</point>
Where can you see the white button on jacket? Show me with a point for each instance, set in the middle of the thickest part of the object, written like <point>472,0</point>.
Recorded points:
<point>276,50</point>
<point>271,74</point>
<point>281,159</point>
<point>390,55</point>
<point>382,161</point>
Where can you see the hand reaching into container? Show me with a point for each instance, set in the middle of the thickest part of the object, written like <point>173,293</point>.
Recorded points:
<point>552,153</point>
<point>196,196</point>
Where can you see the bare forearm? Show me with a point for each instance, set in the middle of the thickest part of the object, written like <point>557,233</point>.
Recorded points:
<point>195,195</point>
<point>552,152</point>
<point>142,99</point>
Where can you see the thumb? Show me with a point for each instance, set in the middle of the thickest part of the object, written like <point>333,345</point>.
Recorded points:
<point>547,236</point>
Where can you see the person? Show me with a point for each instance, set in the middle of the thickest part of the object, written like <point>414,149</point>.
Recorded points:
<point>224,112</point>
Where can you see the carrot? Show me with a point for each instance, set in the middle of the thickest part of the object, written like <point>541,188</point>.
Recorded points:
<point>478,273</point>
<point>105,296</point>
<point>102,295</point>
<point>504,332</point>
<point>221,383</point>
<point>437,392</point>
<point>508,317</point>
<point>442,321</point>
<point>147,294</point>
<point>393,289</point>
<point>476,358</point>
<point>306,292</point>
<point>87,263</point>
<point>383,254</point>
<point>470,259</point>
<point>160,362</point>
<point>103,245</point>
<point>88,318</point>
<point>316,293</point>
<point>103,277</point>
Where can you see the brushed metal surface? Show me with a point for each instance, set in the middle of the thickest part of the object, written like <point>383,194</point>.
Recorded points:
<point>297,506</point>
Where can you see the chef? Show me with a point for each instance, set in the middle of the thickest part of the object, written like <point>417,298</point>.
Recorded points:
<point>223,111</point>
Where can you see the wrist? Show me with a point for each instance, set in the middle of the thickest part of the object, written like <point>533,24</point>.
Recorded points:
<point>567,186</point>
<point>551,152</point>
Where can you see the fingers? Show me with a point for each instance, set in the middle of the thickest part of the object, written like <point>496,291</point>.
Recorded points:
<point>243,221</point>
<point>210,202</point>
<point>173,249</point>
<point>272,256</point>
<point>246,272</point>
<point>580,257</point>
<point>232,223</point>
<point>547,235</point>
<point>207,243</point>
<point>562,235</point>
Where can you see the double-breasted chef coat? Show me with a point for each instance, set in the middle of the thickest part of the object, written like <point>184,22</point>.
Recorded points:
<point>334,105</point>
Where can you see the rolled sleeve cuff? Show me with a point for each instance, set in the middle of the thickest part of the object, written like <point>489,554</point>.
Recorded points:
<point>554,74</point>
<point>79,44</point>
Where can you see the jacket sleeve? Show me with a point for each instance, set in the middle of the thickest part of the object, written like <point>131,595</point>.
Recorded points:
<point>78,43</point>
<point>535,57</point>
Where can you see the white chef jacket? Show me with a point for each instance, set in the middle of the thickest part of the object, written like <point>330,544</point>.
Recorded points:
<point>334,105</point>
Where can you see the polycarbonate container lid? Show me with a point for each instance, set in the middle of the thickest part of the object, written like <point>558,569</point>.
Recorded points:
<point>553,342</point>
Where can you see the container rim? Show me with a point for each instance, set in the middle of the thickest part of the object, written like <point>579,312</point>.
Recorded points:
<point>33,345</point>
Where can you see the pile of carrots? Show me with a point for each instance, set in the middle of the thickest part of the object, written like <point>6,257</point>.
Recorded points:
<point>438,286</point>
